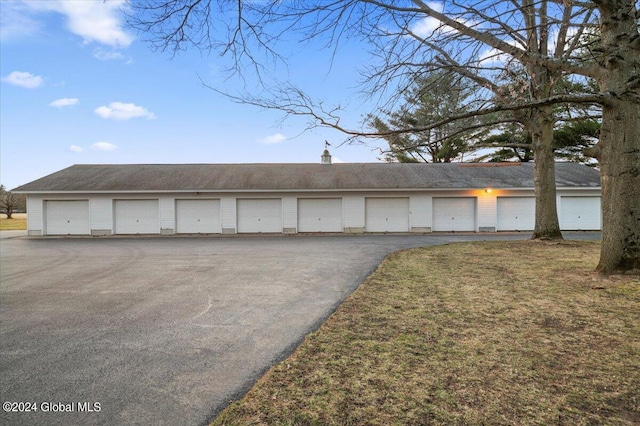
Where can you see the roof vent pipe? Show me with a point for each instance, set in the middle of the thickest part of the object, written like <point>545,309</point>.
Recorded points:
<point>326,157</point>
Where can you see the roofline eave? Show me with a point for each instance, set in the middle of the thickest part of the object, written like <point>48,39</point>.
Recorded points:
<point>191,191</point>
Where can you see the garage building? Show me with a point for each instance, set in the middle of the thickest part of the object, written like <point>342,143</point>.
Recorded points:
<point>101,199</point>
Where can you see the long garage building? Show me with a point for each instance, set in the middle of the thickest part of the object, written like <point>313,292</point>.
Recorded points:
<point>101,199</point>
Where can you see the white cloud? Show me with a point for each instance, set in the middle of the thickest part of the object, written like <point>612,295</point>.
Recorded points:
<point>94,21</point>
<point>273,139</point>
<point>427,25</point>
<point>23,79</point>
<point>75,148</point>
<point>123,111</point>
<point>64,102</point>
<point>104,146</point>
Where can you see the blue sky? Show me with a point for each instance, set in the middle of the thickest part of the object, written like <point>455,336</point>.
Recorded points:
<point>79,87</point>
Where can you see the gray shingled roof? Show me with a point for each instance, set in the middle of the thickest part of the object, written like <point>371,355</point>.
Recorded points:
<point>354,176</point>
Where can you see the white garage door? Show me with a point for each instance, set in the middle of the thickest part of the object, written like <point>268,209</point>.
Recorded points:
<point>137,217</point>
<point>386,214</point>
<point>198,217</point>
<point>259,215</point>
<point>516,213</point>
<point>319,215</point>
<point>580,213</point>
<point>454,214</point>
<point>67,217</point>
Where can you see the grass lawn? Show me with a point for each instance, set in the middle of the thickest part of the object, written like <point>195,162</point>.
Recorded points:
<point>17,223</point>
<point>472,333</point>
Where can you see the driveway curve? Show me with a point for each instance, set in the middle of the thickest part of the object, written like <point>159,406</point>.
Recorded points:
<point>166,330</point>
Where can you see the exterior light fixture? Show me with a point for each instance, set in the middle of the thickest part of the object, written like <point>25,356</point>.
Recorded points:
<point>488,190</point>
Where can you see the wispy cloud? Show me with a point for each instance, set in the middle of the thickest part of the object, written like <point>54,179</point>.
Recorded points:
<point>16,21</point>
<point>23,79</point>
<point>112,55</point>
<point>64,102</point>
<point>104,146</point>
<point>273,139</point>
<point>75,148</point>
<point>123,111</point>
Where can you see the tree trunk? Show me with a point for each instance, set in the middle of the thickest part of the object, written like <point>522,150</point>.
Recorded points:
<point>619,147</point>
<point>619,155</point>
<point>544,176</point>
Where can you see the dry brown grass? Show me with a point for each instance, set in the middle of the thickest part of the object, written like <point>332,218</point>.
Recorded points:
<point>17,223</point>
<point>475,333</point>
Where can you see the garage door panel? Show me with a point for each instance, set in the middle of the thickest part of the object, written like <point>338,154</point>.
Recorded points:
<point>516,213</point>
<point>454,214</point>
<point>137,217</point>
<point>320,215</point>
<point>68,217</point>
<point>580,213</point>
<point>387,214</point>
<point>198,217</point>
<point>259,215</point>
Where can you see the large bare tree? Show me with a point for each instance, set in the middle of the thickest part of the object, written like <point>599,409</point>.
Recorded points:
<point>548,38</point>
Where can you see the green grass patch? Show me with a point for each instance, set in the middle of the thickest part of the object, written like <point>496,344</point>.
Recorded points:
<point>471,333</point>
<point>17,223</point>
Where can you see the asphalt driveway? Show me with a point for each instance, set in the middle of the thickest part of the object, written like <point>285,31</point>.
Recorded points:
<point>165,330</point>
